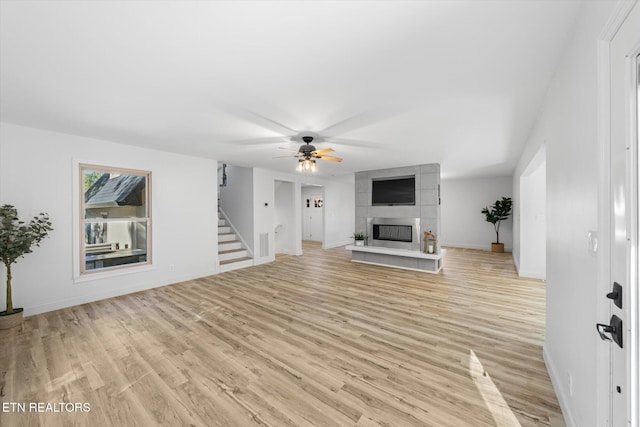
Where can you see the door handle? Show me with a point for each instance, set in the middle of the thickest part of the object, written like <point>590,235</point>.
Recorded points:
<point>602,330</point>
<point>616,294</point>
<point>614,328</point>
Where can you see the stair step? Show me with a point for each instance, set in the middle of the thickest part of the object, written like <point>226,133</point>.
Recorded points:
<point>230,261</point>
<point>221,222</point>
<point>229,245</point>
<point>226,237</point>
<point>224,229</point>
<point>233,254</point>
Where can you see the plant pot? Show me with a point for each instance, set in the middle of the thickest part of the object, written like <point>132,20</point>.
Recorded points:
<point>8,321</point>
<point>359,242</point>
<point>497,247</point>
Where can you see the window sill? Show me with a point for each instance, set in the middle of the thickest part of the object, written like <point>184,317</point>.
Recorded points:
<point>113,273</point>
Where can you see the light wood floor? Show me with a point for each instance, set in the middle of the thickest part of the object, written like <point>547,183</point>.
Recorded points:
<point>311,340</point>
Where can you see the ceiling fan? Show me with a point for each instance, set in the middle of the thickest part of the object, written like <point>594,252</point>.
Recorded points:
<point>307,155</point>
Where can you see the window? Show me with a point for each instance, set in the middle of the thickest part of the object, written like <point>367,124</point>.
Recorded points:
<point>115,218</point>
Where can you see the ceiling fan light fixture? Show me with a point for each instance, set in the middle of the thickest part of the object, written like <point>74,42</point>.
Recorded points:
<point>307,165</point>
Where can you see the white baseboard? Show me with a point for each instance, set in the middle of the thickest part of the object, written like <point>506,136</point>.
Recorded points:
<point>264,260</point>
<point>556,382</point>
<point>472,246</point>
<point>337,244</point>
<point>97,296</point>
<point>531,274</point>
<point>289,252</point>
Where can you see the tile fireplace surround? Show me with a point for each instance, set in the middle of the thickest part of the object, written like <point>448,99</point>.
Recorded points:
<point>393,249</point>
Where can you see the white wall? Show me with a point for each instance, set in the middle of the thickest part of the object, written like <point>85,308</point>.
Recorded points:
<point>339,207</point>
<point>236,200</point>
<point>284,222</point>
<point>533,229</point>
<point>339,212</point>
<point>462,221</point>
<point>38,172</point>
<point>568,124</point>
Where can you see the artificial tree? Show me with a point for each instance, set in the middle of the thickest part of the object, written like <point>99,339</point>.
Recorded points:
<point>498,212</point>
<point>17,239</point>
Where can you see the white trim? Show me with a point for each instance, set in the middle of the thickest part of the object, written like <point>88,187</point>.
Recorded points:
<point>337,244</point>
<point>516,263</point>
<point>236,265</point>
<point>603,255</point>
<point>532,274</point>
<point>77,275</point>
<point>556,382</point>
<point>289,252</point>
<point>633,364</point>
<point>114,273</point>
<point>396,252</point>
<point>395,266</point>
<point>101,295</point>
<point>617,18</point>
<point>264,260</point>
<point>507,249</point>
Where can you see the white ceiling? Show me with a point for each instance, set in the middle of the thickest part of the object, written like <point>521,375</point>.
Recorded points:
<point>386,83</point>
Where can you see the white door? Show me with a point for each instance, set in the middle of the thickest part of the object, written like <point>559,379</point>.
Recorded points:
<point>312,217</point>
<point>624,216</point>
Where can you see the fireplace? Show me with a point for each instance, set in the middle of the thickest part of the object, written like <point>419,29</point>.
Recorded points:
<point>399,233</point>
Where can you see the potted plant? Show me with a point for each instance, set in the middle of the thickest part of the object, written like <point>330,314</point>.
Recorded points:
<point>359,238</point>
<point>16,240</point>
<point>495,214</point>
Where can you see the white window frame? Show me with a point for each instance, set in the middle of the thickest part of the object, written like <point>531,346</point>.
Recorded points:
<point>81,271</point>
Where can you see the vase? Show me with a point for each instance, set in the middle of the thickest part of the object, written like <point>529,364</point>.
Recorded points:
<point>497,247</point>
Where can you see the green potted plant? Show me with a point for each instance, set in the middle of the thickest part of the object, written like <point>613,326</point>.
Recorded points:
<point>359,237</point>
<point>16,240</point>
<point>495,214</point>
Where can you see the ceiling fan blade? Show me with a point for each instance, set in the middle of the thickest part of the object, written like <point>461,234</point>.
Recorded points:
<point>254,117</point>
<point>322,151</point>
<point>330,158</point>
<point>260,141</point>
<point>282,157</point>
<point>288,149</point>
<point>364,119</point>
<point>357,142</point>
<point>359,121</point>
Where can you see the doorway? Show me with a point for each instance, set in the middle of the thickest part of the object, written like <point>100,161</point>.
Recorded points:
<point>313,213</point>
<point>533,223</point>
<point>618,305</point>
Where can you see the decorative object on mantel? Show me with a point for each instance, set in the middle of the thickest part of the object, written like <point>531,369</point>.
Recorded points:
<point>359,238</point>
<point>16,240</point>
<point>498,212</point>
<point>430,243</point>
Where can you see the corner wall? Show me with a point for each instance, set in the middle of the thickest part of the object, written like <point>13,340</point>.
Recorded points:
<point>533,228</point>
<point>463,223</point>
<point>568,124</point>
<point>37,174</point>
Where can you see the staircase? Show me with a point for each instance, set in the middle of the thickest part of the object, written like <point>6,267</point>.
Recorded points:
<point>232,253</point>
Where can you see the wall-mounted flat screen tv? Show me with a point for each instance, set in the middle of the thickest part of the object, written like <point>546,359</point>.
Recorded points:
<point>396,191</point>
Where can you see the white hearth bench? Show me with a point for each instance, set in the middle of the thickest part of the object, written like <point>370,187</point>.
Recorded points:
<point>397,258</point>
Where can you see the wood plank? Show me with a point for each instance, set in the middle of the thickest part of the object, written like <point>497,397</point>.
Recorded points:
<point>308,340</point>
